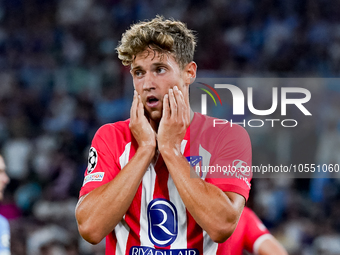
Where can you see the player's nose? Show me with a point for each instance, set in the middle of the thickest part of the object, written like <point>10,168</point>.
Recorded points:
<point>149,81</point>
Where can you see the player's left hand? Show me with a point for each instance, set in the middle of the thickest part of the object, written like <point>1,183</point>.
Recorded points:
<point>175,121</point>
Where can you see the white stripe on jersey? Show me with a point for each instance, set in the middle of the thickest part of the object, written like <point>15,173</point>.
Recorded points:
<point>183,144</point>
<point>124,158</point>
<point>122,230</point>
<point>181,240</point>
<point>148,187</point>
<point>206,156</point>
<point>209,247</point>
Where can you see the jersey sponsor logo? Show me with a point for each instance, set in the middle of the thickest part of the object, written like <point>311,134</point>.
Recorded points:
<point>92,160</point>
<point>162,222</point>
<point>94,177</point>
<point>239,165</point>
<point>142,250</point>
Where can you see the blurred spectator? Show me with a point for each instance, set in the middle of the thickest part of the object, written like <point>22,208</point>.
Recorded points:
<point>61,80</point>
<point>17,150</point>
<point>4,225</point>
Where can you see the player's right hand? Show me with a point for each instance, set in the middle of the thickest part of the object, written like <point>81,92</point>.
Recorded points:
<point>139,125</point>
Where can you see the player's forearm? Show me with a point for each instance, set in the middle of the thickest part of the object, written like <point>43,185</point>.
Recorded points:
<point>104,207</point>
<point>211,208</point>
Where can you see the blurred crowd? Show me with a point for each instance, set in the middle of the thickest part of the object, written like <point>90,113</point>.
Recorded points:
<point>61,80</point>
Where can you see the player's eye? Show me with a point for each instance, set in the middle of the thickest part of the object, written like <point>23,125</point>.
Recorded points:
<point>161,70</point>
<point>138,73</point>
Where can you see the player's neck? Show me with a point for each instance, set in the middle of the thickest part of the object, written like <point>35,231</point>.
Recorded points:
<point>154,124</point>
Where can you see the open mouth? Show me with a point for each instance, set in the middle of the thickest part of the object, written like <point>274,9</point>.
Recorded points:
<point>152,101</point>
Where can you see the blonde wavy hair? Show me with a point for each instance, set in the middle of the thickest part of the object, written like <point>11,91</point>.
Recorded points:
<point>160,35</point>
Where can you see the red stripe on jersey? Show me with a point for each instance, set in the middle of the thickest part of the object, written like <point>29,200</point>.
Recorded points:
<point>132,216</point>
<point>161,185</point>
<point>194,234</point>
<point>111,242</point>
<point>194,231</point>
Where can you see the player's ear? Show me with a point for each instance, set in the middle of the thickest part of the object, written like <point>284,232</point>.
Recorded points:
<point>190,72</point>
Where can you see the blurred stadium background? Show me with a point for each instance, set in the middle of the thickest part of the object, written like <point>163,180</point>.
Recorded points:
<point>60,79</point>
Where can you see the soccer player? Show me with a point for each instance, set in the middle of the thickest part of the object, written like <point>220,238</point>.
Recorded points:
<point>139,190</point>
<point>4,225</point>
<point>251,235</point>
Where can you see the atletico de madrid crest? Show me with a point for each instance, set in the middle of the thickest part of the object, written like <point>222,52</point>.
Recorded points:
<point>92,160</point>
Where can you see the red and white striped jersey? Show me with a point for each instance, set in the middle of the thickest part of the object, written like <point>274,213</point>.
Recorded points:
<point>248,235</point>
<point>157,221</point>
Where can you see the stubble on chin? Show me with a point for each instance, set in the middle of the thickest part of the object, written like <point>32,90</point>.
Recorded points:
<point>154,119</point>
<point>153,115</point>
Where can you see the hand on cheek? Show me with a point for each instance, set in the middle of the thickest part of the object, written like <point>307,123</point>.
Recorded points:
<point>174,122</point>
<point>139,125</point>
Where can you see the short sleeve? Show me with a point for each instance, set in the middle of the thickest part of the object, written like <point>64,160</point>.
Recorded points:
<point>254,229</point>
<point>232,161</point>
<point>102,165</point>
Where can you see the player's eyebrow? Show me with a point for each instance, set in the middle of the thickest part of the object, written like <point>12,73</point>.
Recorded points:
<point>136,67</point>
<point>139,67</point>
<point>160,64</point>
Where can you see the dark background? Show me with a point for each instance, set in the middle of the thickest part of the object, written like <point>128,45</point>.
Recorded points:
<point>60,80</point>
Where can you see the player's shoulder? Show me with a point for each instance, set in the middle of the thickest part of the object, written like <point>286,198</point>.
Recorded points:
<point>246,216</point>
<point>119,128</point>
<point>217,125</point>
<point>247,212</point>
<point>249,215</point>
<point>114,132</point>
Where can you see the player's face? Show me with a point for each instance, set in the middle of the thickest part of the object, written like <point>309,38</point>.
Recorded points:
<point>153,75</point>
<point>4,180</point>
